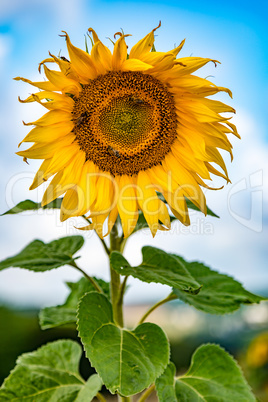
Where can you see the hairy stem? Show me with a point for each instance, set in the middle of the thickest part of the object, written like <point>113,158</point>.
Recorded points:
<point>115,285</point>
<point>89,278</point>
<point>171,296</point>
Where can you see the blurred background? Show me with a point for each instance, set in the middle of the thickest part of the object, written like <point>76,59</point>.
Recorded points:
<point>235,34</point>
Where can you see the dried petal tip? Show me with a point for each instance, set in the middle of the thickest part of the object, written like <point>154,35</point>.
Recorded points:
<point>159,25</point>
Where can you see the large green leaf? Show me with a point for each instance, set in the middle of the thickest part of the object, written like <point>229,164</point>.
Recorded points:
<point>157,266</point>
<point>165,384</point>
<point>127,361</point>
<point>50,317</point>
<point>29,205</point>
<point>213,376</point>
<point>50,374</point>
<point>220,294</point>
<point>39,256</point>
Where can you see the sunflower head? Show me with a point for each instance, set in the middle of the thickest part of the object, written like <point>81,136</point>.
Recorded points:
<point>122,128</point>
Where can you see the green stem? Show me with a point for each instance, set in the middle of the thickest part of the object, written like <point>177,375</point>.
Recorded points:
<point>171,296</point>
<point>122,290</point>
<point>124,398</point>
<point>100,397</point>
<point>147,393</point>
<point>115,285</point>
<point>94,283</point>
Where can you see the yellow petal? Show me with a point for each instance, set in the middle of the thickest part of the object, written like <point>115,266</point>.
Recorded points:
<point>166,63</point>
<point>111,220</point>
<point>87,186</point>
<point>178,206</point>
<point>97,224</point>
<point>39,177</point>
<point>69,204</point>
<point>65,179</point>
<point>95,36</point>
<point>101,57</point>
<point>51,117</point>
<point>154,58</point>
<point>192,64</point>
<point>63,83</point>
<point>81,61</point>
<point>46,85</point>
<point>105,197</point>
<point>46,151</point>
<point>189,160</point>
<point>49,133</point>
<point>119,53</point>
<point>61,159</point>
<point>178,48</point>
<point>66,68</point>
<point>216,157</point>
<point>198,110</point>
<point>53,100</point>
<point>163,214</point>
<point>160,178</point>
<point>185,181</point>
<point>127,203</point>
<point>144,45</point>
<point>148,200</point>
<point>135,65</point>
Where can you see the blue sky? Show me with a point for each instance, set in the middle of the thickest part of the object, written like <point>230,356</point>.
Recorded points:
<point>235,34</point>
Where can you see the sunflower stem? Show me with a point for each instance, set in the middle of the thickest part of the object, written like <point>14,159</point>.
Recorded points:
<point>100,397</point>
<point>115,284</point>
<point>171,296</point>
<point>147,393</point>
<point>124,398</point>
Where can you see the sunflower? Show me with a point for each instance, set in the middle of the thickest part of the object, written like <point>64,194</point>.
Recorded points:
<point>122,128</point>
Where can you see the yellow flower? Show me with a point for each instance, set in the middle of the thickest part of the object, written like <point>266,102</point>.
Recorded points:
<point>120,128</point>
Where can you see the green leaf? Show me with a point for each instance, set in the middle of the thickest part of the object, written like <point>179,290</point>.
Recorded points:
<point>126,361</point>
<point>90,389</point>
<point>39,256</point>
<point>29,205</point>
<point>51,317</point>
<point>220,294</point>
<point>213,376</point>
<point>49,374</point>
<point>165,385</point>
<point>157,266</point>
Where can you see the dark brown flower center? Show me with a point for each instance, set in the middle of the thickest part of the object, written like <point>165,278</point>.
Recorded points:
<point>125,122</point>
